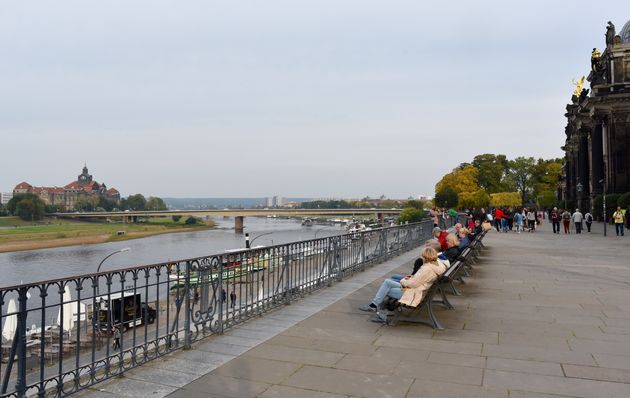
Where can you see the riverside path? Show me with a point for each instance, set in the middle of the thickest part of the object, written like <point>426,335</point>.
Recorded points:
<point>542,316</point>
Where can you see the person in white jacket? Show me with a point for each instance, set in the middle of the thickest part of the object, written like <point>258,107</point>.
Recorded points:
<point>577,218</point>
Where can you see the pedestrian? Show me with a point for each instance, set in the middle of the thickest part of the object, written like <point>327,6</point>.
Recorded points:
<point>498,219</point>
<point>566,221</point>
<point>577,219</point>
<point>588,217</point>
<point>232,298</point>
<point>434,216</point>
<point>619,218</point>
<point>531,220</point>
<point>518,221</point>
<point>555,220</point>
<point>116,344</point>
<point>223,296</point>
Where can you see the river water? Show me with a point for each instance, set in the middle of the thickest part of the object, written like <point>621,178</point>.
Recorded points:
<point>39,265</point>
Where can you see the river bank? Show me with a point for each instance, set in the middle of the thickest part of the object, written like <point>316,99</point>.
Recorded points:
<point>18,235</point>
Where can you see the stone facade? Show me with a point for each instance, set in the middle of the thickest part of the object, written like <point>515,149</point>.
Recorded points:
<point>597,148</point>
<point>65,198</point>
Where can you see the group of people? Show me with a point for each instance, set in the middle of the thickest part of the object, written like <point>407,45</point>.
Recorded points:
<point>436,257</point>
<point>566,217</point>
<point>517,220</point>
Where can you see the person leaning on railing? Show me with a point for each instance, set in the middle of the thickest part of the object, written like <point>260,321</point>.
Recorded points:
<point>410,290</point>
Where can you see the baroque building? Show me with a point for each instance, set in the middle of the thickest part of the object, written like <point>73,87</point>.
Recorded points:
<point>597,147</point>
<point>65,198</point>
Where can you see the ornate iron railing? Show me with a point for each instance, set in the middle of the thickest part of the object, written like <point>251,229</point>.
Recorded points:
<point>88,328</point>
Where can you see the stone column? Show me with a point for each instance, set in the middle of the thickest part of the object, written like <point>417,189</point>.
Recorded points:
<point>583,170</point>
<point>239,224</point>
<point>597,159</point>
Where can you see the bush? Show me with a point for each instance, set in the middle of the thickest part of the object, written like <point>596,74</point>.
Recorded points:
<point>612,201</point>
<point>598,204</point>
<point>624,200</point>
<point>176,218</point>
<point>410,214</point>
<point>191,220</point>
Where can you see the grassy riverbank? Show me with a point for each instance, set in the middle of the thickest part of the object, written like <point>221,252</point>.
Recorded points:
<point>16,234</point>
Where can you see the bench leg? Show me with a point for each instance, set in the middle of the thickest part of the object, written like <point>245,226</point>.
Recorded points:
<point>455,291</point>
<point>444,300</point>
<point>434,322</point>
<point>460,279</point>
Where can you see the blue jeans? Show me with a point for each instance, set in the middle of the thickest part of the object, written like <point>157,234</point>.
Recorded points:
<point>389,288</point>
<point>619,228</point>
<point>396,277</point>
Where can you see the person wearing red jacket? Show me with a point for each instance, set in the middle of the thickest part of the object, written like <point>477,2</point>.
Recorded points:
<point>499,215</point>
<point>441,237</point>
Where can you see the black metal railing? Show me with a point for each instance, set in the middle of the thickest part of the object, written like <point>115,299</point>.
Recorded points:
<point>61,336</point>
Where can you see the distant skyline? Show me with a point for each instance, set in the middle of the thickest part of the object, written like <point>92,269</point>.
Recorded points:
<point>295,99</point>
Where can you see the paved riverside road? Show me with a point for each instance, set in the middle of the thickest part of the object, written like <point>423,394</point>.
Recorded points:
<point>543,316</point>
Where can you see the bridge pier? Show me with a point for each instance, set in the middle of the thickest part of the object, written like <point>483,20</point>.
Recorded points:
<point>239,224</point>
<point>380,217</point>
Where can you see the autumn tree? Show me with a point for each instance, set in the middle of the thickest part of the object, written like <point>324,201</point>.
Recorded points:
<point>520,171</point>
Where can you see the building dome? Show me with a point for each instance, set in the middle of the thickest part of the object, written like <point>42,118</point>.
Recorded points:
<point>625,33</point>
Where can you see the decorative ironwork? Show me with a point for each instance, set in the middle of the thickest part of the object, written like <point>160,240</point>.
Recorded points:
<point>88,328</point>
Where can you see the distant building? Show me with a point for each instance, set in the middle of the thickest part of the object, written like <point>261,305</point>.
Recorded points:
<point>275,201</point>
<point>65,198</point>
<point>425,198</point>
<point>5,197</point>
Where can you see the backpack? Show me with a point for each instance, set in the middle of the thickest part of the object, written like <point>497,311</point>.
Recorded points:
<point>589,217</point>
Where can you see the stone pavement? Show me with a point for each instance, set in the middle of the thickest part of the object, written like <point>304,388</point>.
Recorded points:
<point>543,316</point>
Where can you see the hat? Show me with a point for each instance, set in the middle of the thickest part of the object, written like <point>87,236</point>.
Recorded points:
<point>437,229</point>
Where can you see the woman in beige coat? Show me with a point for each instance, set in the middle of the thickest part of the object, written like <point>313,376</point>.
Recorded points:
<point>411,289</point>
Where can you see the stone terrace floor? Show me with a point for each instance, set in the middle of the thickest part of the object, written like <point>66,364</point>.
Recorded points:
<point>543,316</point>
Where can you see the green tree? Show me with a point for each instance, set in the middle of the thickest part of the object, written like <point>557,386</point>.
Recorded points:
<point>136,202</point>
<point>3,210</point>
<point>191,220</point>
<point>13,203</point>
<point>176,217</point>
<point>520,171</point>
<point>89,203</point>
<point>446,197</point>
<point>411,214</point>
<point>154,203</point>
<point>624,200</point>
<point>546,199</point>
<point>492,170</point>
<point>30,209</point>
<point>417,204</point>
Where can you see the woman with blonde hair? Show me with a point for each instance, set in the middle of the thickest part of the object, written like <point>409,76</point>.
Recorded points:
<point>410,290</point>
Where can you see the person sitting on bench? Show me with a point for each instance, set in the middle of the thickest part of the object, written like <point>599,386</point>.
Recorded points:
<point>419,261</point>
<point>410,290</point>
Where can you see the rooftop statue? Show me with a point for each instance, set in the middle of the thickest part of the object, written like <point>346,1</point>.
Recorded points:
<point>610,34</point>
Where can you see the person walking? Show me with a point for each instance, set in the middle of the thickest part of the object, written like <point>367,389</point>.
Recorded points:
<point>434,216</point>
<point>518,220</point>
<point>566,220</point>
<point>232,298</point>
<point>588,217</point>
<point>116,344</point>
<point>555,220</point>
<point>531,220</point>
<point>619,218</point>
<point>498,219</point>
<point>577,219</point>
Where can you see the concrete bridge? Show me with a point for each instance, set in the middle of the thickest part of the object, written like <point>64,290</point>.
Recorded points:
<point>238,214</point>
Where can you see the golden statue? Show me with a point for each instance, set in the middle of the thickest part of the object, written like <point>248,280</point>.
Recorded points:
<point>595,54</point>
<point>578,86</point>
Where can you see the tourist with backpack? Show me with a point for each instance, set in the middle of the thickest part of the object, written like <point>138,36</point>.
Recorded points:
<point>555,220</point>
<point>588,218</point>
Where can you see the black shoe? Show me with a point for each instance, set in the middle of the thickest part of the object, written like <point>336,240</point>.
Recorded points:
<point>368,308</point>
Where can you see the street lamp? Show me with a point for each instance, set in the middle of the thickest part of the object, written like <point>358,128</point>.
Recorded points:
<point>603,182</point>
<point>98,269</point>
<point>252,241</point>
<point>579,187</point>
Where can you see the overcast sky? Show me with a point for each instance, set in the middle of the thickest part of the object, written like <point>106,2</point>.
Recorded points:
<point>292,98</point>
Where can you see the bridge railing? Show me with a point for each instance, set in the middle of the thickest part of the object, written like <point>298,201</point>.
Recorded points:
<point>61,336</point>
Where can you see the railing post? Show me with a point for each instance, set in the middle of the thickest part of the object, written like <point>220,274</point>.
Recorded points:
<point>363,262</point>
<point>220,294</point>
<point>187,329</point>
<point>287,275</point>
<point>337,259</point>
<point>20,384</point>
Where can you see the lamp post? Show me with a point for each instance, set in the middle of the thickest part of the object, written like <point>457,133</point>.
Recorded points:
<point>98,269</point>
<point>579,188</point>
<point>602,181</point>
<point>256,237</point>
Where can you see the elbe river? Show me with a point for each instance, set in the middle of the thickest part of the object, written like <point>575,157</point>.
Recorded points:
<point>40,265</point>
